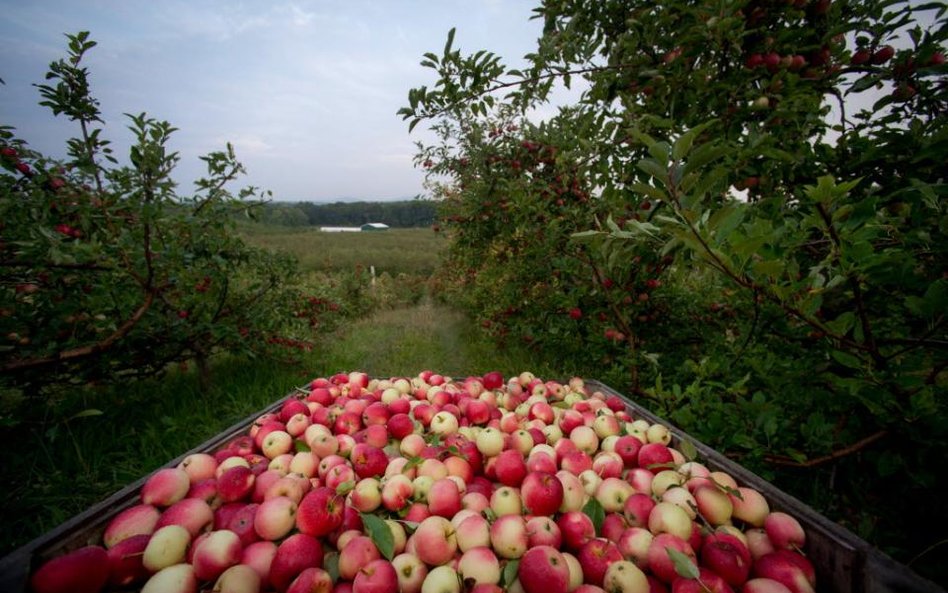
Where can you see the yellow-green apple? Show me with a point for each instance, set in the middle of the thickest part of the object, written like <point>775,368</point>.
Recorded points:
<point>520,440</point>
<point>443,423</point>
<point>508,536</point>
<point>681,497</point>
<point>275,518</point>
<point>605,425</point>
<point>239,578</point>
<point>367,495</point>
<point>669,518</point>
<point>479,565</point>
<point>543,569</point>
<point>611,493</point>
<point>577,529</point>
<point>436,540</point>
<point>658,433</point>
<point>574,495</point>
<point>543,531</point>
<point>506,501</point>
<point>762,585</point>
<point>473,532</point>
<point>750,506</point>
<point>590,481</point>
<point>585,439</point>
<point>410,572</point>
<point>634,544</point>
<point>441,579</point>
<point>665,479</point>
<point>713,504</point>
<point>784,531</point>
<point>320,512</point>
<point>595,557</point>
<point>575,571</point>
<point>542,493</point>
<point>420,488</point>
<point>216,553</point>
<point>758,542</point>
<point>259,556</point>
<point>357,552</point>
<point>625,577</point>
<point>433,468</point>
<point>167,547</point>
<point>178,578</point>
<point>727,556</point>
<point>140,519</point>
<point>490,442</point>
<point>166,487</point>
<point>85,570</point>
<point>294,554</point>
<point>304,463</point>
<point>280,463</point>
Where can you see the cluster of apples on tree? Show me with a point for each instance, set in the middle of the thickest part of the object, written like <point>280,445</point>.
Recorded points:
<point>430,485</point>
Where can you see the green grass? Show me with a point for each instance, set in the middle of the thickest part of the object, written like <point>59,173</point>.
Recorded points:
<point>396,251</point>
<point>53,470</point>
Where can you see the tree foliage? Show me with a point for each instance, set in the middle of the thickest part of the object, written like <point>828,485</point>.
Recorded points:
<point>742,215</point>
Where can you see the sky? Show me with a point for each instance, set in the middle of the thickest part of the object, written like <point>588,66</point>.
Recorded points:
<point>306,91</point>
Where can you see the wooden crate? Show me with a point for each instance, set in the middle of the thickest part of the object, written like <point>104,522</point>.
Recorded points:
<point>844,563</point>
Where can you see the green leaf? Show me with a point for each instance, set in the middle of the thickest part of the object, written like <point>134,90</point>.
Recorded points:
<point>684,566</point>
<point>331,564</point>
<point>301,446</point>
<point>380,533</point>
<point>345,487</point>
<point>86,414</point>
<point>510,572</point>
<point>688,449</point>
<point>596,513</point>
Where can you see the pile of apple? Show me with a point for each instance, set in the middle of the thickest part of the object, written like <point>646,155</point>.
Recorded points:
<point>429,485</point>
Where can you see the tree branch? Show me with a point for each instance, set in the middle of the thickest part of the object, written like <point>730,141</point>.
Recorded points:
<point>845,451</point>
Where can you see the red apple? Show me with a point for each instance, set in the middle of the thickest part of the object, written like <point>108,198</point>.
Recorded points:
<point>543,569</point>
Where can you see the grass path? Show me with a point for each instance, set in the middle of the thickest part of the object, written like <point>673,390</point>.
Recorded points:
<point>427,336</point>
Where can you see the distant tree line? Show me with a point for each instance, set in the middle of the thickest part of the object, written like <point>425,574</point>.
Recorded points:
<point>399,214</point>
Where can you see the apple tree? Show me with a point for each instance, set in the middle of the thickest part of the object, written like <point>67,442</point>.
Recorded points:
<point>110,273</point>
<point>788,157</point>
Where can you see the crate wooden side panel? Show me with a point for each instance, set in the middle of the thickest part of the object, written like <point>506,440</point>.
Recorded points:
<point>87,527</point>
<point>844,562</point>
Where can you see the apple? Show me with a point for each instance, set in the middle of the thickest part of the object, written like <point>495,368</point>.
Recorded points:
<point>727,556</point>
<point>137,520</point>
<point>542,493</point>
<point>669,518</point>
<point>625,577</point>
<point>357,553</point>
<point>436,540</point>
<point>750,506</point>
<point>293,555</point>
<point>784,531</point>
<point>660,563</point>
<point>216,553</point>
<point>275,517</point>
<point>410,572</point>
<point>543,531</point>
<point>508,536</point>
<point>85,570</point>
<point>235,484</point>
<point>167,547</point>
<point>444,498</point>
<point>577,529</point>
<point>713,504</point>
<point>178,578</point>
<point>479,565</point>
<point>763,585</point>
<point>259,556</point>
<point>543,569</point>
<point>320,512</point>
<point>441,579</point>
<point>125,561</point>
<point>239,578</point>
<point>611,493</point>
<point>378,576</point>
<point>506,501</point>
<point>473,532</point>
<point>634,544</point>
<point>166,487</point>
<point>199,466</point>
<point>595,557</point>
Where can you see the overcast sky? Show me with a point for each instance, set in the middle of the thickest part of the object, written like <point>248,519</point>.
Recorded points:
<point>306,90</point>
